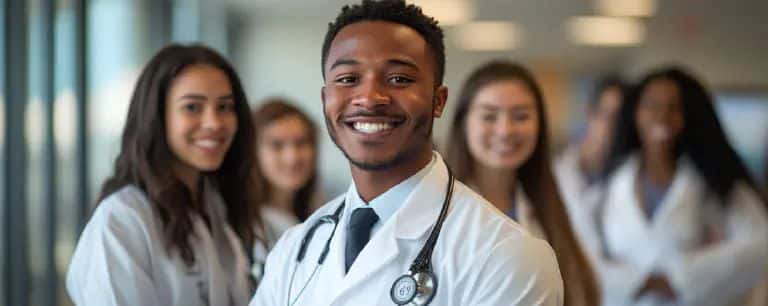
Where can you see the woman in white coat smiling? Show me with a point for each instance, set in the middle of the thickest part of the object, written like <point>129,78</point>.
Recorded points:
<point>681,221</point>
<point>501,150</point>
<point>174,220</point>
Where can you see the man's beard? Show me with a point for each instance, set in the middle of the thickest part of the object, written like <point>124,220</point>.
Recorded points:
<point>423,123</point>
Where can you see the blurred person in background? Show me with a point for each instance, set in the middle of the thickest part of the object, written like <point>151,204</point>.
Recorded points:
<point>579,167</point>
<point>284,175</point>
<point>681,222</point>
<point>500,149</point>
<point>175,218</point>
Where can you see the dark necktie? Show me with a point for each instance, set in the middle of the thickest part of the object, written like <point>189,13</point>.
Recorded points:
<point>360,224</point>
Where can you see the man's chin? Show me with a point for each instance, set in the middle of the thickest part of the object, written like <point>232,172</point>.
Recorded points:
<point>375,164</point>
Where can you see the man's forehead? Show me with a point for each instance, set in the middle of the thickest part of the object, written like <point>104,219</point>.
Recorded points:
<point>371,39</point>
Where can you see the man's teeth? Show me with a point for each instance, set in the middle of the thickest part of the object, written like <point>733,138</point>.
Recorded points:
<point>208,144</point>
<point>370,128</point>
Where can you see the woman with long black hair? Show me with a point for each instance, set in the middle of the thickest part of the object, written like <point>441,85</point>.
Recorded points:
<point>500,149</point>
<point>176,217</point>
<point>681,220</point>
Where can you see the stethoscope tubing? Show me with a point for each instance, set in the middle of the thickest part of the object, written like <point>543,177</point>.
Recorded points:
<point>422,263</point>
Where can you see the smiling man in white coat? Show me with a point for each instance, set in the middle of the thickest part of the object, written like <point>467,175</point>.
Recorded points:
<point>405,233</point>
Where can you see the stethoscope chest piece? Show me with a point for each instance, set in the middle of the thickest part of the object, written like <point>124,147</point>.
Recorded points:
<point>414,288</point>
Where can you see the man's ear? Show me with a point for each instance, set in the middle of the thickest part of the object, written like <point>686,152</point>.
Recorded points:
<point>440,98</point>
<point>322,94</point>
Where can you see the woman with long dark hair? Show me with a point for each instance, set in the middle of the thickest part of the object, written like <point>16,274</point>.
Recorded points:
<point>681,221</point>
<point>176,217</point>
<point>284,172</point>
<point>500,148</point>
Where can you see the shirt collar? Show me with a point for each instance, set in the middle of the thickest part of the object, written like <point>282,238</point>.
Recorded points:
<point>386,204</point>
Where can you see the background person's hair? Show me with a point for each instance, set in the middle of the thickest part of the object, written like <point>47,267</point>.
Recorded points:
<point>702,138</point>
<point>272,110</point>
<point>145,157</point>
<point>396,11</point>
<point>535,176</point>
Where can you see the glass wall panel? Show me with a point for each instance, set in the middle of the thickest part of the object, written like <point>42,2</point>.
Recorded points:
<point>113,64</point>
<point>3,249</point>
<point>65,134</point>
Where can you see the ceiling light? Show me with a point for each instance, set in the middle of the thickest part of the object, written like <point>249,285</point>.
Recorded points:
<point>626,8</point>
<point>489,36</point>
<point>605,31</point>
<point>447,12</point>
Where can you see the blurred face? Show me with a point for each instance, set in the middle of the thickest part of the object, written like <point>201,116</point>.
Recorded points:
<point>659,115</point>
<point>502,125</point>
<point>379,96</point>
<point>200,119</point>
<point>286,154</point>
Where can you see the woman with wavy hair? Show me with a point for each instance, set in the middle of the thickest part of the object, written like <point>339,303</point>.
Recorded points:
<point>284,175</point>
<point>681,222</point>
<point>500,148</point>
<point>176,217</point>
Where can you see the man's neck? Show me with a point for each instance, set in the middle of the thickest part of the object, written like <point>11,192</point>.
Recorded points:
<point>372,183</point>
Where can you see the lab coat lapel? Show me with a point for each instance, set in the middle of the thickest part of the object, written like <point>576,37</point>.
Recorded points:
<point>221,255</point>
<point>411,222</point>
<point>422,208</point>
<point>623,218</point>
<point>681,198</point>
<point>380,251</point>
<point>333,270</point>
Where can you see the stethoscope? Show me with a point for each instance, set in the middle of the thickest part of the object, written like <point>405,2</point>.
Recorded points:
<point>416,287</point>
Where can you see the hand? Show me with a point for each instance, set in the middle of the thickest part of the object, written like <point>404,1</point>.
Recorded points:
<point>659,285</point>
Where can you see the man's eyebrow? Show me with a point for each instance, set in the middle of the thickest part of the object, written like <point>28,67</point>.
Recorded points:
<point>403,62</point>
<point>341,62</point>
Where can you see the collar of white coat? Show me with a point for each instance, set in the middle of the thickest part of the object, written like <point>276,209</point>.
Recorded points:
<point>386,204</point>
<point>416,206</point>
<point>685,184</point>
<point>685,173</point>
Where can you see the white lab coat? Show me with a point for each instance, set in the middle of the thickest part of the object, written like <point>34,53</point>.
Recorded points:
<point>481,257</point>
<point>717,273</point>
<point>580,199</point>
<point>121,258</point>
<point>276,222</point>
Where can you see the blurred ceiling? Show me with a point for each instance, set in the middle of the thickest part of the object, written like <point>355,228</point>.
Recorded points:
<point>734,28</point>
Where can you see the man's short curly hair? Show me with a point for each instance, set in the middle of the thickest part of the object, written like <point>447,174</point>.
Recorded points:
<point>396,11</point>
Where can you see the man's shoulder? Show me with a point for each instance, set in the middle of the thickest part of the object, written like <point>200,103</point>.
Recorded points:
<point>479,226</point>
<point>474,211</point>
<point>490,250</point>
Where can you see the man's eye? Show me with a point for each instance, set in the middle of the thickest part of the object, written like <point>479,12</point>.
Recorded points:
<point>346,80</point>
<point>399,79</point>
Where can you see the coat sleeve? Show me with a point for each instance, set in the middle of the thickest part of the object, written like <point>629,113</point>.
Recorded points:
<point>519,271</point>
<point>727,270</point>
<point>276,272</point>
<point>619,281</point>
<point>111,263</point>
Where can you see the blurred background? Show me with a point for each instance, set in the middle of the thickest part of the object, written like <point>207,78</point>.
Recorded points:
<point>68,68</point>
